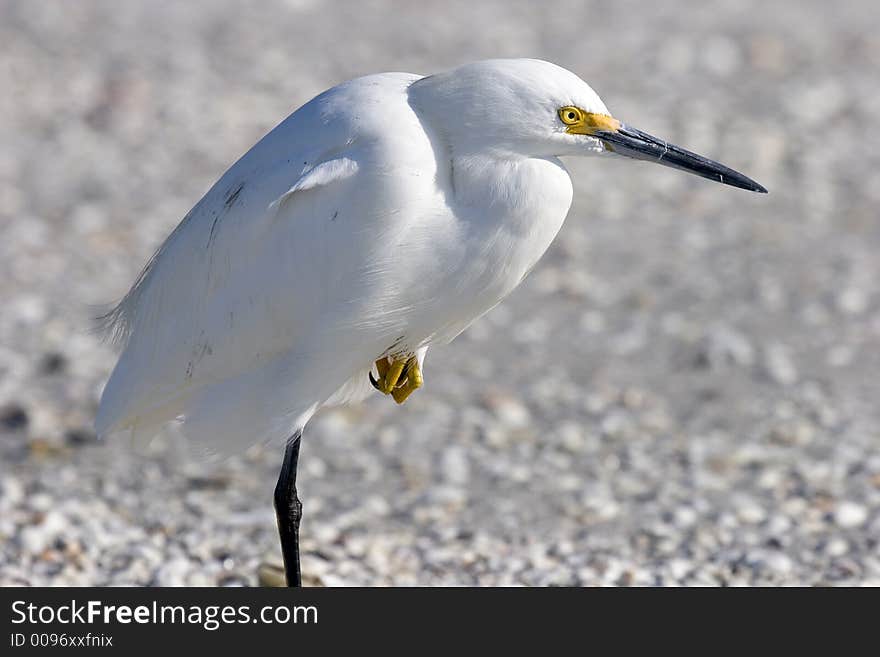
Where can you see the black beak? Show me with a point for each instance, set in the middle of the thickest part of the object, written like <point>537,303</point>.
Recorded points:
<point>640,145</point>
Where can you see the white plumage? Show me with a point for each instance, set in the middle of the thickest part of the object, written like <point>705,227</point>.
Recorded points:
<point>383,216</point>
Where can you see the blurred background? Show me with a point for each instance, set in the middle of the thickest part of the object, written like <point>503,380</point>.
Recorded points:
<point>684,391</point>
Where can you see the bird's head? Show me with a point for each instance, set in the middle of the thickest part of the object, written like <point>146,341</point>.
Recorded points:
<point>532,108</point>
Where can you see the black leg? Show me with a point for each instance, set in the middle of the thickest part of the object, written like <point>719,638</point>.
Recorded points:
<point>289,511</point>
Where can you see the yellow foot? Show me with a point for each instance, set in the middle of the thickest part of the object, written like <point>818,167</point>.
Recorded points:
<point>398,377</point>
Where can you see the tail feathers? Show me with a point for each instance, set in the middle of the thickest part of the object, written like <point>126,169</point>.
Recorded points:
<point>259,406</point>
<point>228,417</point>
<point>129,406</point>
<point>212,426</point>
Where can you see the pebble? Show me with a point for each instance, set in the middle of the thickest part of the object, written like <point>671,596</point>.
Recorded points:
<point>850,514</point>
<point>852,301</point>
<point>751,513</point>
<point>837,547</point>
<point>510,412</point>
<point>456,469</point>
<point>726,346</point>
<point>779,365</point>
<point>779,563</point>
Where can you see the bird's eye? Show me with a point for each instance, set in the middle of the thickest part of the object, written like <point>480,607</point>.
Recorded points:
<point>569,115</point>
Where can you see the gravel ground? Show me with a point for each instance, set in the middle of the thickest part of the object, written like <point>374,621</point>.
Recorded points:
<point>683,392</point>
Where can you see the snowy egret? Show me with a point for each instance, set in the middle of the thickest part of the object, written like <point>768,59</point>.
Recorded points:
<point>380,218</point>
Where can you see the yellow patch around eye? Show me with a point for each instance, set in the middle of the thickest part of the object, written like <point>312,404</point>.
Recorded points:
<point>580,122</point>
<point>603,122</point>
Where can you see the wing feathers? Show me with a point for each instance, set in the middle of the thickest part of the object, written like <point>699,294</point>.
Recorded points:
<point>323,174</point>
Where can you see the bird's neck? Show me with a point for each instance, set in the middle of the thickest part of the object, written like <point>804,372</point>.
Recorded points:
<point>514,186</point>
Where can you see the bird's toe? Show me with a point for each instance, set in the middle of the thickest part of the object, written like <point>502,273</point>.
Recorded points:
<point>398,377</point>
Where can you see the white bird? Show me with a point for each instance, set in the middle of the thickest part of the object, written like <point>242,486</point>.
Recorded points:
<point>380,218</point>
